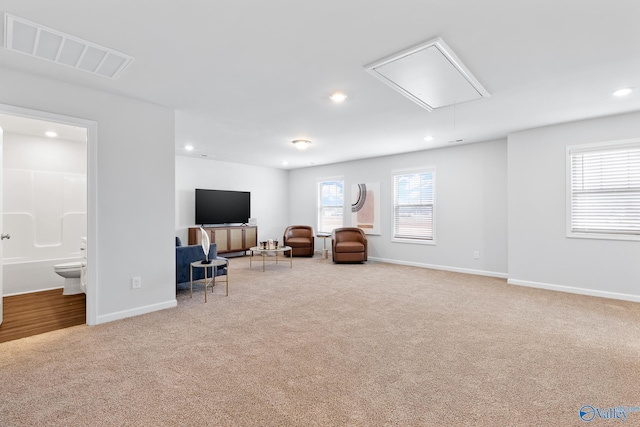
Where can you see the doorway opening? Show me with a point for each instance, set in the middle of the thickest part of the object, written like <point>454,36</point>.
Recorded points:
<point>49,198</point>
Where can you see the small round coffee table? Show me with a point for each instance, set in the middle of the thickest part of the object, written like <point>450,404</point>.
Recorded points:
<point>213,263</point>
<point>324,237</point>
<point>264,253</point>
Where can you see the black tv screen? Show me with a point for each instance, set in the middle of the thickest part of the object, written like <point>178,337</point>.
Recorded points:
<point>222,207</point>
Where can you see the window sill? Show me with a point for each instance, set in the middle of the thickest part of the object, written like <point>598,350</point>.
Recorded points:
<point>414,241</point>
<point>600,236</point>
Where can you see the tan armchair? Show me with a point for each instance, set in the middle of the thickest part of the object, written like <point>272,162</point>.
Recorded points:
<point>301,238</point>
<point>349,244</point>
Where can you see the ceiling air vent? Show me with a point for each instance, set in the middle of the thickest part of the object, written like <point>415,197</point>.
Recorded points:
<point>430,75</point>
<point>36,40</point>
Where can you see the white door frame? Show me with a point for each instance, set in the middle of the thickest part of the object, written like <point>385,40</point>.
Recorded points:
<point>92,194</point>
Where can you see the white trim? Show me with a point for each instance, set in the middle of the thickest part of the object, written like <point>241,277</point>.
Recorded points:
<point>338,178</point>
<point>574,290</point>
<point>413,171</point>
<point>413,241</point>
<point>92,194</point>
<point>331,178</point>
<point>105,318</point>
<point>595,146</point>
<point>443,267</point>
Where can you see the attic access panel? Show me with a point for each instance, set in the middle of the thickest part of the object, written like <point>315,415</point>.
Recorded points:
<point>430,75</point>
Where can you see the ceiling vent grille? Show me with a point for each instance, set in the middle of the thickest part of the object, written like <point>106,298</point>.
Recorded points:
<point>430,75</point>
<point>36,40</point>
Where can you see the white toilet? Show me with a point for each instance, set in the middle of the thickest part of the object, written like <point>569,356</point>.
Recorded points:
<point>71,273</point>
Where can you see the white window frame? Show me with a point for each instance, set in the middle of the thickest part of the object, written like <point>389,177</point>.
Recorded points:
<point>320,207</point>
<point>585,148</point>
<point>416,241</point>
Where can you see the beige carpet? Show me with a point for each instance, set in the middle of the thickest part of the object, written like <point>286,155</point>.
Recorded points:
<point>335,345</point>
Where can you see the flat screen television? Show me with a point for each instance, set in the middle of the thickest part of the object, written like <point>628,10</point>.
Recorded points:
<point>222,207</point>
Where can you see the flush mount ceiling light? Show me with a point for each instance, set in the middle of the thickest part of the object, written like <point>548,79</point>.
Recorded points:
<point>623,92</point>
<point>428,138</point>
<point>430,75</point>
<point>51,134</point>
<point>301,144</point>
<point>188,147</point>
<point>338,97</point>
<point>36,40</point>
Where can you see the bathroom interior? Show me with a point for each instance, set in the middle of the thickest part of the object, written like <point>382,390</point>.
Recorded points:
<point>44,211</point>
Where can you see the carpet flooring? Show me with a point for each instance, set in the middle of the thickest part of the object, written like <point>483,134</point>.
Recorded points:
<point>337,345</point>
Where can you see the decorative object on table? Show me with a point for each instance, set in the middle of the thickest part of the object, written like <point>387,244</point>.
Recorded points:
<point>275,244</point>
<point>263,244</point>
<point>205,242</point>
<point>270,244</point>
<point>365,209</point>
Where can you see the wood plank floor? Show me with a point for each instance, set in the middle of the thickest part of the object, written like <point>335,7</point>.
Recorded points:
<point>38,312</point>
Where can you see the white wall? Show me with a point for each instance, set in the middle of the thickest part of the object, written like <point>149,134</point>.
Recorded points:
<point>135,189</point>
<point>471,205</point>
<point>268,187</point>
<point>540,254</point>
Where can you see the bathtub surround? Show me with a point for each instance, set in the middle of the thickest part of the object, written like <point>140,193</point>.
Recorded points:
<point>45,209</point>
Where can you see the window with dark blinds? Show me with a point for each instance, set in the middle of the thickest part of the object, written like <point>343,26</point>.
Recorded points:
<point>414,205</point>
<point>604,190</point>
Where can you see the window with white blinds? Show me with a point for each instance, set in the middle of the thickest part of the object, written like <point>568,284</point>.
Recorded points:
<point>330,204</point>
<point>414,205</point>
<point>604,190</point>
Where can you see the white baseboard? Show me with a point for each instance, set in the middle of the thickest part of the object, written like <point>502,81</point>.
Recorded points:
<point>572,290</point>
<point>443,267</point>
<point>136,311</point>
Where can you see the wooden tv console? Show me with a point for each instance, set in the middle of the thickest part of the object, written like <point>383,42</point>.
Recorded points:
<point>235,238</point>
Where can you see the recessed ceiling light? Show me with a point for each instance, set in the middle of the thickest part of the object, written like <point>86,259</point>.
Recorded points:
<point>623,92</point>
<point>301,144</point>
<point>285,163</point>
<point>428,138</point>
<point>51,134</point>
<point>338,97</point>
<point>188,147</point>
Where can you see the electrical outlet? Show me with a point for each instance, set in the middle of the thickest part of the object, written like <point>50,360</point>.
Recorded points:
<point>136,282</point>
<point>476,255</point>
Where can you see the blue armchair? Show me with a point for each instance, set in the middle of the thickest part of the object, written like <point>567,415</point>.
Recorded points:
<point>185,255</point>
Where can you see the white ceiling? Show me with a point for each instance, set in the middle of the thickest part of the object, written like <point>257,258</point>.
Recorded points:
<point>248,77</point>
